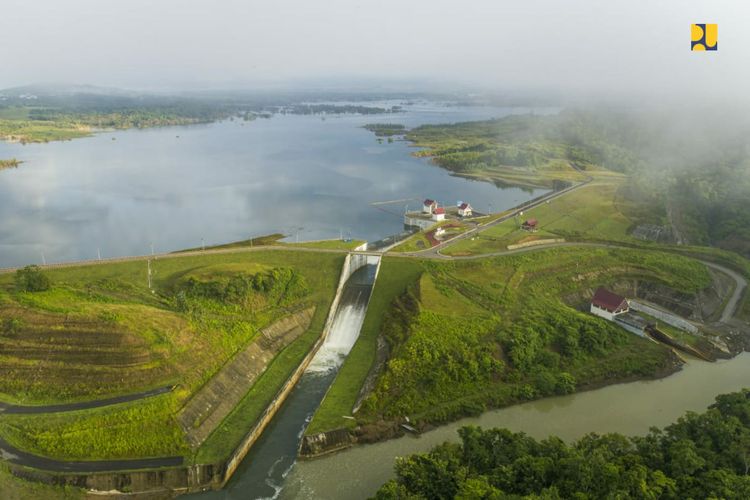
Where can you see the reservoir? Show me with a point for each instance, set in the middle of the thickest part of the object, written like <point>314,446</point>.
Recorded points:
<point>310,177</point>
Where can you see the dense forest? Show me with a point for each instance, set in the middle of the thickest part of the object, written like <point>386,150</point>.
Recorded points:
<point>700,456</point>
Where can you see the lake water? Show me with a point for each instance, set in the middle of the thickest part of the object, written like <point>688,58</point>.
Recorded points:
<point>118,193</point>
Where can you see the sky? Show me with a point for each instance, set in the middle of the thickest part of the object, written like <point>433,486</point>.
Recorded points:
<point>574,45</point>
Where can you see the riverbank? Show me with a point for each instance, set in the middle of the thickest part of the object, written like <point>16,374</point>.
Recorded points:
<point>627,408</point>
<point>465,336</point>
<point>315,446</point>
<point>12,163</point>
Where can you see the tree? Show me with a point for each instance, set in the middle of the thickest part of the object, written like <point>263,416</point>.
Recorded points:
<point>32,279</point>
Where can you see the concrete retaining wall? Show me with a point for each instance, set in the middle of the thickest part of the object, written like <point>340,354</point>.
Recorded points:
<point>666,317</point>
<point>174,481</point>
<point>534,243</point>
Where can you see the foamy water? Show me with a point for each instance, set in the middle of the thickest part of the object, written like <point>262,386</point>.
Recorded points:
<point>343,335</point>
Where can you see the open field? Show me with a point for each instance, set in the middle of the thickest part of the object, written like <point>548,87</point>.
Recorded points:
<point>595,211</point>
<point>491,332</point>
<point>100,332</point>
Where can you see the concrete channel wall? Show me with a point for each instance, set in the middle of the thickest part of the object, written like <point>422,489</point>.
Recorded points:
<point>200,477</point>
<point>350,265</point>
<point>326,442</point>
<point>668,318</point>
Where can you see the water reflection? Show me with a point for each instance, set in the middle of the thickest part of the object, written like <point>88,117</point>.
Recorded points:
<point>222,182</point>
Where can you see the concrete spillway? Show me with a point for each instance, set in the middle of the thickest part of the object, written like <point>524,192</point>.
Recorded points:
<point>348,318</point>
<point>263,472</point>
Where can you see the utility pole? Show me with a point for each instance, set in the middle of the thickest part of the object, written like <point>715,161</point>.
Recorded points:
<point>149,273</point>
<point>99,253</point>
<point>152,249</point>
<point>44,261</point>
<point>203,244</point>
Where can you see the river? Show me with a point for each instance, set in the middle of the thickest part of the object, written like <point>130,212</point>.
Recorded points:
<point>263,472</point>
<point>629,409</point>
<point>118,193</point>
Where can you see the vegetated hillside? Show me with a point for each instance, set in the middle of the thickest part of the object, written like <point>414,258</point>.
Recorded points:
<point>694,179</point>
<point>97,331</point>
<point>486,333</point>
<point>699,456</point>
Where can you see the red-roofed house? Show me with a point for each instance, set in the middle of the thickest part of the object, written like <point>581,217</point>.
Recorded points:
<point>608,304</point>
<point>530,225</point>
<point>428,206</point>
<point>464,210</point>
<point>438,214</point>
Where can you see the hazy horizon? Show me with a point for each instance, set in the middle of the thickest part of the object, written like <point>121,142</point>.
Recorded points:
<point>617,47</point>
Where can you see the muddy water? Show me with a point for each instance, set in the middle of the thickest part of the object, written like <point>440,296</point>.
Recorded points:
<point>626,408</point>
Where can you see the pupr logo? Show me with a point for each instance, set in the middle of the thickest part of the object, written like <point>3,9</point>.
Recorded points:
<point>704,37</point>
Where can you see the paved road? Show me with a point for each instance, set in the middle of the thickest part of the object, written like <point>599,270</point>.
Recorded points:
<point>435,251</point>
<point>12,454</point>
<point>83,405</point>
<point>741,282</point>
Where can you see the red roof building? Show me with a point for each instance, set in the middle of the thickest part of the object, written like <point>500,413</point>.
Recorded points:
<point>428,206</point>
<point>438,214</point>
<point>608,304</point>
<point>530,224</point>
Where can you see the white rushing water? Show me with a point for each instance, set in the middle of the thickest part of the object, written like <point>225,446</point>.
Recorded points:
<point>343,334</point>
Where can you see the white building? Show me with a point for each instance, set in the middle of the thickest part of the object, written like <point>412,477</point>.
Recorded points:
<point>438,214</point>
<point>428,206</point>
<point>464,210</point>
<point>607,304</point>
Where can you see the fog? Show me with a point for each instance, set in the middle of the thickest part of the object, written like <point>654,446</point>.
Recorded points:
<point>576,46</point>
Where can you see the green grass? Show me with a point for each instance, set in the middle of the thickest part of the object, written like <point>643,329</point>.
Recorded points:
<point>394,276</point>
<point>590,212</point>
<point>414,243</point>
<point>222,442</point>
<point>131,430</point>
<point>506,152</point>
<point>497,331</point>
<point>67,336</point>
<point>15,488</point>
<point>40,131</point>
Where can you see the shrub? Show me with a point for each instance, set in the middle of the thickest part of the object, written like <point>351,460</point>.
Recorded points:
<point>32,279</point>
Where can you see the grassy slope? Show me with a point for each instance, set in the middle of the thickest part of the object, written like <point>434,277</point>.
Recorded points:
<point>590,212</point>
<point>101,433</point>
<point>465,307</point>
<point>13,488</point>
<point>395,275</point>
<point>506,152</point>
<point>194,352</point>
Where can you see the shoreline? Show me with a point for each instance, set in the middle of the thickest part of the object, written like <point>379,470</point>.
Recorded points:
<point>382,431</point>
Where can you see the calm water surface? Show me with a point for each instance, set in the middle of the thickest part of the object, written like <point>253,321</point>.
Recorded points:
<point>120,192</point>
